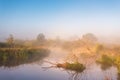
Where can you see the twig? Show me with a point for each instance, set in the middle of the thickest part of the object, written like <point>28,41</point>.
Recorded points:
<point>50,62</point>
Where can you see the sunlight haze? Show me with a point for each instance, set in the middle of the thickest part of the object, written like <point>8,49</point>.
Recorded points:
<point>65,18</point>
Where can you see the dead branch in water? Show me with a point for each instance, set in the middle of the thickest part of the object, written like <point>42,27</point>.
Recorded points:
<point>46,68</point>
<point>50,62</point>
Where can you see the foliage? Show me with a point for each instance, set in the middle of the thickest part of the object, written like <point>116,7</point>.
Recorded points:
<point>117,63</point>
<point>98,48</point>
<point>70,45</point>
<point>89,37</point>
<point>3,45</point>
<point>78,67</point>
<point>106,60</point>
<point>15,57</point>
<point>41,37</point>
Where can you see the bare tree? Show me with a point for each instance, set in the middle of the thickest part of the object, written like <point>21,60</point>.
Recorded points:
<point>10,41</point>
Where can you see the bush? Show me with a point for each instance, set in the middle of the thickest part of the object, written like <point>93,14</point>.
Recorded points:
<point>78,67</point>
<point>98,48</point>
<point>106,60</point>
<point>117,63</point>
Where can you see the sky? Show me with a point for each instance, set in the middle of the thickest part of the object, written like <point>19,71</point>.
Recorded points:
<point>64,18</point>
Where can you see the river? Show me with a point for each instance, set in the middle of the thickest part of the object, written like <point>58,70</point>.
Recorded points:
<point>41,70</point>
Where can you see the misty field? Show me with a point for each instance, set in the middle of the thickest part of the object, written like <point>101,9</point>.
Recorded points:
<point>59,39</point>
<point>79,55</point>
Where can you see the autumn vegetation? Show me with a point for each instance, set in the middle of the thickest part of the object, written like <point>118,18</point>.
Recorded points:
<point>78,67</point>
<point>81,50</point>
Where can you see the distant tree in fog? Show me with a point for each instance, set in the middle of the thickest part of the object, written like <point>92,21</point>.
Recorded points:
<point>41,38</point>
<point>89,37</point>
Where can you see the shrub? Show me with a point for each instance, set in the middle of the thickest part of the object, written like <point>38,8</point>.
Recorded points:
<point>78,67</point>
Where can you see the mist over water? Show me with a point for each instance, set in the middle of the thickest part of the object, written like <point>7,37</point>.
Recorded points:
<point>59,40</point>
<point>35,70</point>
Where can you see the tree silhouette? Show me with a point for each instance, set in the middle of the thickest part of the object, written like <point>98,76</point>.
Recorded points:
<point>41,38</point>
<point>89,37</point>
<point>10,41</point>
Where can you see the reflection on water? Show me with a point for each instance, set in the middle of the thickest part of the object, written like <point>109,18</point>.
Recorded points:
<point>93,72</point>
<point>33,71</point>
<point>22,57</point>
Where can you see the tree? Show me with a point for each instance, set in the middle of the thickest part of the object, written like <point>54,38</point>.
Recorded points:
<point>98,48</point>
<point>10,40</point>
<point>41,38</point>
<point>89,37</point>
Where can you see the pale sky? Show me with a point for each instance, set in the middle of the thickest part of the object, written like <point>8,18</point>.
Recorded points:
<point>27,18</point>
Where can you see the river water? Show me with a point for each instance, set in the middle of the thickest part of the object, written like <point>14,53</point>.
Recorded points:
<point>41,70</point>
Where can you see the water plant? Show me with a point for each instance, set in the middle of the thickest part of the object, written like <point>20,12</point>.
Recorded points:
<point>106,61</point>
<point>76,66</point>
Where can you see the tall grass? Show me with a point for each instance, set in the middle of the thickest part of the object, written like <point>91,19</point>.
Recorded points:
<point>14,57</point>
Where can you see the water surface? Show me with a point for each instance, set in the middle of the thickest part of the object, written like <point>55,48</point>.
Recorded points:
<point>37,69</point>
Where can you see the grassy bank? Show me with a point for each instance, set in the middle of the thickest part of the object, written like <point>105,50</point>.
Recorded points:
<point>16,56</point>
